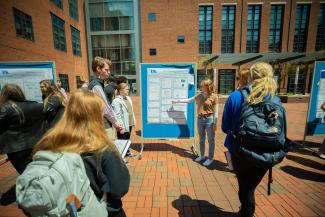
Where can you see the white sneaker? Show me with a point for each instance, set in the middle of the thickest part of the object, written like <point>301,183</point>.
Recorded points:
<point>199,158</point>
<point>207,162</point>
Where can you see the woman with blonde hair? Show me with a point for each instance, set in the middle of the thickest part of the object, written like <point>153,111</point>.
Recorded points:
<point>123,108</point>
<point>207,110</point>
<point>54,102</point>
<point>81,130</point>
<point>262,87</point>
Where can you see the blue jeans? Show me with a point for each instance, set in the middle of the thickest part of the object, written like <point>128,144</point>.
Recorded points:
<point>205,126</point>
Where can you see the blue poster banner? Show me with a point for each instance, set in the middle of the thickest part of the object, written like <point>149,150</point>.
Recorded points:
<point>316,116</point>
<point>160,84</point>
<point>27,75</point>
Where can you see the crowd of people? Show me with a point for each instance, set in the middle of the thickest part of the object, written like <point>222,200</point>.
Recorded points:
<point>63,124</point>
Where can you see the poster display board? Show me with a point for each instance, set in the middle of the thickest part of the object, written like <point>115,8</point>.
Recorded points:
<point>27,75</point>
<point>160,84</point>
<point>316,116</point>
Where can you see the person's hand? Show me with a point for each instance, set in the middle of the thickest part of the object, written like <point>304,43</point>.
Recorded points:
<point>117,126</point>
<point>215,127</point>
<point>122,131</point>
<point>175,101</point>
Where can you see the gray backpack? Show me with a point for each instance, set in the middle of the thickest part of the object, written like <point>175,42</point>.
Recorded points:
<point>46,183</point>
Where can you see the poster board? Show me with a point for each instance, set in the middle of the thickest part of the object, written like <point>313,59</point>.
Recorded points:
<point>160,84</point>
<point>27,75</point>
<point>315,117</point>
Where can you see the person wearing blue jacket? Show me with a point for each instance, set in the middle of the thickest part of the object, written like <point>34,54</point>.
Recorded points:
<point>263,86</point>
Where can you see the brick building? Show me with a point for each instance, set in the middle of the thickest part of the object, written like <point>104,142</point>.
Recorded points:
<point>46,30</point>
<point>227,35</point>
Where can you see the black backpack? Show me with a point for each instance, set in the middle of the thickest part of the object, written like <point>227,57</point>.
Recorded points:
<point>260,135</point>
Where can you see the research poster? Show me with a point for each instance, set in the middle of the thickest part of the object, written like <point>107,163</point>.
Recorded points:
<point>165,85</point>
<point>27,76</point>
<point>316,116</point>
<point>160,84</point>
<point>321,97</point>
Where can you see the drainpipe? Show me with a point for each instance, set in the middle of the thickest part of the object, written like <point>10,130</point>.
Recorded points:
<point>289,26</point>
<point>241,24</point>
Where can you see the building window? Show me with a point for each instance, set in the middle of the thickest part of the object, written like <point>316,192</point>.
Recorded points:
<point>58,33</point>
<point>75,38</point>
<point>276,25</point>
<point>226,81</point>
<point>228,28</point>
<point>152,17</point>
<point>320,40</point>
<point>78,81</point>
<point>73,9</point>
<point>58,3</point>
<point>23,24</point>
<point>300,83</point>
<point>253,28</point>
<point>120,48</point>
<point>301,27</point>
<point>152,51</point>
<point>205,29</point>
<point>181,39</point>
<point>64,78</point>
<point>111,15</point>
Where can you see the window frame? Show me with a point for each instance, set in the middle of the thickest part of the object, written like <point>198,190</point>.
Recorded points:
<point>25,21</point>
<point>228,32</point>
<point>301,32</point>
<point>75,35</point>
<point>207,45</point>
<point>64,78</point>
<point>56,21</point>
<point>73,9</point>
<point>232,73</point>
<point>250,40</point>
<point>273,31</point>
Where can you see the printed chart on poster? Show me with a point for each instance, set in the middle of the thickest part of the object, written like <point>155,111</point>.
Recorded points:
<point>160,84</point>
<point>316,116</point>
<point>27,75</point>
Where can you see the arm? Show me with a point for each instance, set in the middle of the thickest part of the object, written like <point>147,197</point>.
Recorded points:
<point>117,175</point>
<point>184,100</point>
<point>4,119</point>
<point>226,116</point>
<point>108,111</point>
<point>215,112</point>
<point>51,107</point>
<point>117,110</point>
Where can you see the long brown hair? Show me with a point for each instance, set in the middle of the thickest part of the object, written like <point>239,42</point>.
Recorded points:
<point>11,92</point>
<point>81,129</point>
<point>52,90</point>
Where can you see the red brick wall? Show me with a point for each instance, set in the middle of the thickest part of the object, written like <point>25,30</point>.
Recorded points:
<point>13,48</point>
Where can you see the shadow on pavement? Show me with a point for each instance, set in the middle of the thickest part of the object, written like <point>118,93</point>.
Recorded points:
<point>187,206</point>
<point>9,196</point>
<point>216,165</point>
<point>307,162</point>
<point>304,174</point>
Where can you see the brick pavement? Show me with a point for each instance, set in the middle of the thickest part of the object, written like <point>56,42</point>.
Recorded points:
<point>167,182</point>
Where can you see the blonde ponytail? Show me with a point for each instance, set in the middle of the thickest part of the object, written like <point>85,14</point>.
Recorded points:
<point>262,84</point>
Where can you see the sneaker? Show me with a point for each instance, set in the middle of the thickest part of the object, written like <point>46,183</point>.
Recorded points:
<point>208,162</point>
<point>322,156</point>
<point>199,158</point>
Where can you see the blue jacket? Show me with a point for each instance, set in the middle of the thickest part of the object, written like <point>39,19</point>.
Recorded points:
<point>230,116</point>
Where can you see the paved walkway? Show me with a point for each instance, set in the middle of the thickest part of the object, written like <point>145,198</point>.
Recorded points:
<point>167,182</point>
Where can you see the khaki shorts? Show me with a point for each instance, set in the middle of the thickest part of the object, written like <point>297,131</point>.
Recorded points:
<point>111,133</point>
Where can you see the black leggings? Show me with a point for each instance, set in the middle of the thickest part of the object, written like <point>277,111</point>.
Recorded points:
<point>248,179</point>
